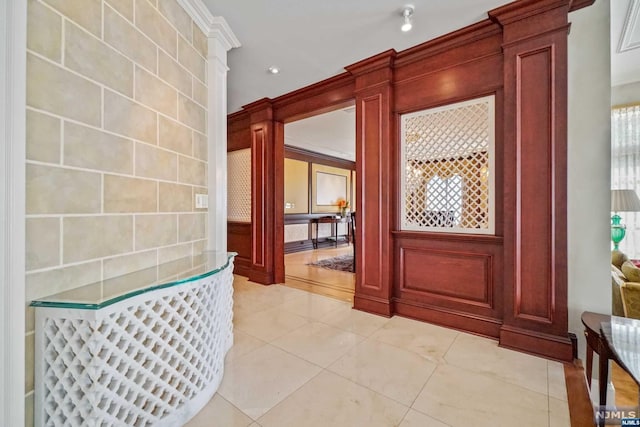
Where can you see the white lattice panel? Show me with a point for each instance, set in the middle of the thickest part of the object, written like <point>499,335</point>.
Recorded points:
<point>152,360</point>
<point>447,171</point>
<point>324,230</point>
<point>296,232</point>
<point>239,185</point>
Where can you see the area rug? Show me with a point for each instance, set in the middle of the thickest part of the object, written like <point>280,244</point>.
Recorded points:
<point>340,263</point>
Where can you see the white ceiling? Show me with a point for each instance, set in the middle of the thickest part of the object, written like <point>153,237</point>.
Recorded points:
<point>333,134</point>
<point>625,41</point>
<point>314,39</point>
<point>311,40</point>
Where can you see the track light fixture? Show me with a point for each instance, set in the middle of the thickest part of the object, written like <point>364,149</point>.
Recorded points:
<point>407,15</point>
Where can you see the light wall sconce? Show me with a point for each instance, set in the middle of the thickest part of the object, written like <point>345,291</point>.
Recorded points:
<point>273,69</point>
<point>407,16</point>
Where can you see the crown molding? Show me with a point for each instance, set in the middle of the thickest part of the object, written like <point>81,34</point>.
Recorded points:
<point>212,26</point>
<point>631,25</point>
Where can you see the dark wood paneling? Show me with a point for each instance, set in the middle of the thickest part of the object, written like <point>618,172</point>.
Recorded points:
<point>297,153</point>
<point>449,50</point>
<point>535,163</point>
<point>535,342</point>
<point>463,277</point>
<point>259,188</point>
<point>461,320</point>
<point>534,259</point>
<point>520,292</point>
<point>450,85</point>
<point>451,275</point>
<point>375,168</point>
<point>238,131</point>
<point>278,202</point>
<point>263,176</point>
<point>239,240</point>
<point>328,95</point>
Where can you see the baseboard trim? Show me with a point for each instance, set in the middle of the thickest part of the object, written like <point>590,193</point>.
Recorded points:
<point>466,322</point>
<point>242,266</point>
<point>537,343</point>
<point>262,277</point>
<point>372,305</point>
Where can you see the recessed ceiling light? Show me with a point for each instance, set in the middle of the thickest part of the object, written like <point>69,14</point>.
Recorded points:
<point>273,69</point>
<point>407,14</point>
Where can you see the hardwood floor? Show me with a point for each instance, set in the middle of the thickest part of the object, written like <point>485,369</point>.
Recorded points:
<point>331,283</point>
<point>580,404</point>
<point>626,388</point>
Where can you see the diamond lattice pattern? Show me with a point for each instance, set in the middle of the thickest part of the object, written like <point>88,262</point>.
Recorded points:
<point>239,185</point>
<point>447,168</point>
<point>139,364</point>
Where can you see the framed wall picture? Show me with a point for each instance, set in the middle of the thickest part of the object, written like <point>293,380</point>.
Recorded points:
<point>329,184</point>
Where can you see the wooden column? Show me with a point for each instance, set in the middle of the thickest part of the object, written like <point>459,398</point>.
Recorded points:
<point>535,176</point>
<point>375,184</point>
<point>267,169</point>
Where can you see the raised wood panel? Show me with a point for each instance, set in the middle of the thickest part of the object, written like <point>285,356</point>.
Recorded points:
<point>454,276</point>
<point>239,240</point>
<point>535,162</point>
<point>456,273</point>
<point>372,223</point>
<point>277,203</point>
<point>453,84</point>
<point>259,189</point>
<point>535,280</point>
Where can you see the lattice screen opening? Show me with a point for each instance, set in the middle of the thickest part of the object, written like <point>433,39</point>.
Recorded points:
<point>239,185</point>
<point>448,168</point>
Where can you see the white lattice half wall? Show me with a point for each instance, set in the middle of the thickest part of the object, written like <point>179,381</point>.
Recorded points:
<point>448,168</point>
<point>239,185</point>
<point>152,360</point>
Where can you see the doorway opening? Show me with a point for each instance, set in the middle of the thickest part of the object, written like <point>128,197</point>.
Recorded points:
<point>320,203</point>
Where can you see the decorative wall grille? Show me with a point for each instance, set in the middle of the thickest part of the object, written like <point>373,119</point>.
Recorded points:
<point>239,185</point>
<point>448,168</point>
<point>137,362</point>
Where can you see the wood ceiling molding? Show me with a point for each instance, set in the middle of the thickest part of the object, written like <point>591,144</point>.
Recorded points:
<point>441,45</point>
<point>328,95</point>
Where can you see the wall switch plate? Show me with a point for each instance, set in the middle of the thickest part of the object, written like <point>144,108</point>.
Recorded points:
<point>202,201</point>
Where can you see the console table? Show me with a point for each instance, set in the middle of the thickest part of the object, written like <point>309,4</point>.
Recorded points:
<point>334,221</point>
<point>144,349</point>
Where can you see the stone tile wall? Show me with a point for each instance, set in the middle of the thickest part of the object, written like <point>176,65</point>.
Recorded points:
<point>116,143</point>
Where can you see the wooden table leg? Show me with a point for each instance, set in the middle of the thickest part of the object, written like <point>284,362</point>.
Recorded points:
<point>603,381</point>
<point>589,361</point>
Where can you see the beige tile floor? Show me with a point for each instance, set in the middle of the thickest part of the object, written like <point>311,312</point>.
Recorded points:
<point>305,360</point>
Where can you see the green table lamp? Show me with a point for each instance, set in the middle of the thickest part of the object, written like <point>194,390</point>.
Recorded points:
<point>621,201</point>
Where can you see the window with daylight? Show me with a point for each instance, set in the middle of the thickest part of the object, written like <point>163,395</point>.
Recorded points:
<point>625,168</point>
<point>448,168</point>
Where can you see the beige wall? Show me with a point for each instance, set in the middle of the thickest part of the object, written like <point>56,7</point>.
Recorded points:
<point>589,175</point>
<point>296,187</point>
<point>116,142</point>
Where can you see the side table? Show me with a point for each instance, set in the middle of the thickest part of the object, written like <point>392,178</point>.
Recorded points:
<point>596,342</point>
